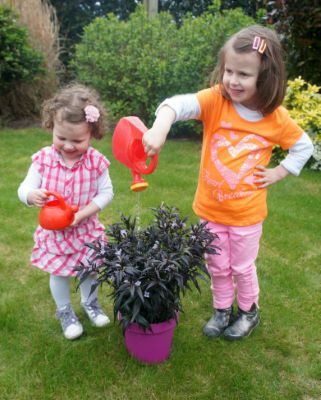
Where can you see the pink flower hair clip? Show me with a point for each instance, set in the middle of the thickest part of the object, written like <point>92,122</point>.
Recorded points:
<point>259,44</point>
<point>92,113</point>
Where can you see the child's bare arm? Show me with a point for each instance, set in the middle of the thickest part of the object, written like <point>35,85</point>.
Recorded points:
<point>155,137</point>
<point>177,108</point>
<point>86,212</point>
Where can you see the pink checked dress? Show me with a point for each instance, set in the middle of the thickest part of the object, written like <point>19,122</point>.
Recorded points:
<point>58,252</point>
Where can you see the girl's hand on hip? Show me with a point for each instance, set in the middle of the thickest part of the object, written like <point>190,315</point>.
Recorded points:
<point>268,176</point>
<point>37,197</point>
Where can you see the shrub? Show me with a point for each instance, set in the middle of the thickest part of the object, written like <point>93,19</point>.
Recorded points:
<point>138,63</point>
<point>303,101</point>
<point>23,99</point>
<point>304,104</point>
<point>128,61</point>
<point>19,61</point>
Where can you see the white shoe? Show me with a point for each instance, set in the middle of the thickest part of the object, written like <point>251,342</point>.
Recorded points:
<point>96,315</point>
<point>70,324</point>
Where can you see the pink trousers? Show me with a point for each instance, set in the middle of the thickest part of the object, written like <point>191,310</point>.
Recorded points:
<point>233,270</point>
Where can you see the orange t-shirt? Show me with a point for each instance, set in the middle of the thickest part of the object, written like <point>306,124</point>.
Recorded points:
<point>232,148</point>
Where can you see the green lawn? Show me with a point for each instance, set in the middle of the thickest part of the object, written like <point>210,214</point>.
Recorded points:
<point>281,360</point>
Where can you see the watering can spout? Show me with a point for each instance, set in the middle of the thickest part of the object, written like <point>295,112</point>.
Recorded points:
<point>139,184</point>
<point>127,147</point>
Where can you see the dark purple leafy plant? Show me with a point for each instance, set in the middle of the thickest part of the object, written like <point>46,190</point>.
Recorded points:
<point>150,269</point>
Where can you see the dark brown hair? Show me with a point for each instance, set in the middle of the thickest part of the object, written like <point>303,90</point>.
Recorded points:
<point>68,104</point>
<point>271,82</point>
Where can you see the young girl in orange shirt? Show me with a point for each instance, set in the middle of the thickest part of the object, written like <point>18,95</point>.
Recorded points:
<point>242,121</point>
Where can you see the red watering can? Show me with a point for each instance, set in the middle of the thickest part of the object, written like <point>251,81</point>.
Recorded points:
<point>128,148</point>
<point>56,214</point>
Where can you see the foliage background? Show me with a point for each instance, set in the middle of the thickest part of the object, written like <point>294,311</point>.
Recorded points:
<point>303,102</point>
<point>19,61</point>
<point>297,22</point>
<point>299,25</point>
<point>22,100</point>
<point>138,63</point>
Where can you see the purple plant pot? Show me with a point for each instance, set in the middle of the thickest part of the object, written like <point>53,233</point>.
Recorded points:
<point>152,346</point>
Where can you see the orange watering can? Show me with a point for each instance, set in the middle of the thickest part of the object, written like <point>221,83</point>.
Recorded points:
<point>56,214</point>
<point>128,148</point>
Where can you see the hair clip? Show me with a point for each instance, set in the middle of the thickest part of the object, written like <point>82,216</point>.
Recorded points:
<point>92,113</point>
<point>259,44</point>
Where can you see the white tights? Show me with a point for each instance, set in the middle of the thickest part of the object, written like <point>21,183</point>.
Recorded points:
<point>59,287</point>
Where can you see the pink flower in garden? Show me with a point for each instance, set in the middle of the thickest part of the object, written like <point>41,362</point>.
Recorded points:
<point>92,113</point>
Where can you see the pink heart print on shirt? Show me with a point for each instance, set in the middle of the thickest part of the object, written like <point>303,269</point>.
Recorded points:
<point>249,179</point>
<point>246,144</point>
<point>233,136</point>
<point>225,124</point>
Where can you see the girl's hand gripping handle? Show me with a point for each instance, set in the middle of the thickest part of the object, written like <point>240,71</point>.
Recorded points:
<point>154,138</point>
<point>37,197</point>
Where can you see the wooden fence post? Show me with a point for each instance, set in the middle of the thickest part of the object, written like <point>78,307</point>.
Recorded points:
<point>151,7</point>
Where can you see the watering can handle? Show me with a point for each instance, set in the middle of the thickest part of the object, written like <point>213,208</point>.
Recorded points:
<point>58,197</point>
<point>144,168</point>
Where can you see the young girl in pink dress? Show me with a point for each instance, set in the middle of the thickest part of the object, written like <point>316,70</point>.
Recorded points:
<point>71,167</point>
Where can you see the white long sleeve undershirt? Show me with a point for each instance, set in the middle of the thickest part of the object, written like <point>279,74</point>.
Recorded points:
<point>186,106</point>
<point>33,181</point>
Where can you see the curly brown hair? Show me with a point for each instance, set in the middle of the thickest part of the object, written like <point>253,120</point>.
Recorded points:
<point>271,82</point>
<point>68,104</point>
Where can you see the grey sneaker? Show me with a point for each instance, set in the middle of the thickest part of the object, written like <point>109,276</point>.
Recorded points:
<point>218,322</point>
<point>245,322</point>
<point>95,313</point>
<point>70,324</point>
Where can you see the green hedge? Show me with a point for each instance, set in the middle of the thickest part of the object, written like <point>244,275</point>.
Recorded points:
<point>137,63</point>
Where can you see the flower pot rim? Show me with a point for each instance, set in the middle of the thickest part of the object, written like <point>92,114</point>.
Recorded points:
<point>154,328</point>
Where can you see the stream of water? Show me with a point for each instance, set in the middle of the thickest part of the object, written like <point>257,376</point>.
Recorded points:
<point>138,210</point>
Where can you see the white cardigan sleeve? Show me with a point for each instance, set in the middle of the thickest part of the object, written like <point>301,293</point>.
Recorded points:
<point>32,181</point>
<point>105,190</point>
<point>186,106</point>
<point>298,155</point>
